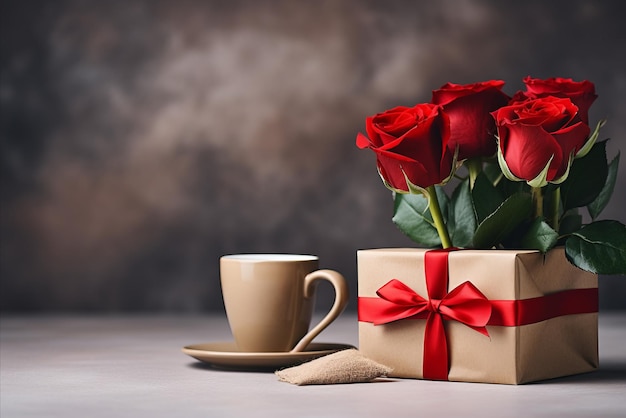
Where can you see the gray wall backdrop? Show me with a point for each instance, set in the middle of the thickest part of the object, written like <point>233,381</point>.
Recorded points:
<point>141,140</point>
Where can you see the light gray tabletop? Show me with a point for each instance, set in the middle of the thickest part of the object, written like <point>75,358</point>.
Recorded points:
<point>133,366</point>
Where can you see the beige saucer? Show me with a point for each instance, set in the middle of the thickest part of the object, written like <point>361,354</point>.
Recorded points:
<point>226,355</point>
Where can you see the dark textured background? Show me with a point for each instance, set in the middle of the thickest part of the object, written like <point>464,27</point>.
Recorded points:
<point>141,140</point>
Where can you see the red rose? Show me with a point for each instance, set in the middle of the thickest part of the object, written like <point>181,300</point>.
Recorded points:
<point>472,128</point>
<point>538,139</point>
<point>581,93</point>
<point>410,145</point>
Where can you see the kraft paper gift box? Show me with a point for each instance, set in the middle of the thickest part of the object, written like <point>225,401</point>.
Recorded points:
<point>523,316</point>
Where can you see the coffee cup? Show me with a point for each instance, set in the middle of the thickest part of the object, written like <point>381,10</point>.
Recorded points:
<point>269,300</point>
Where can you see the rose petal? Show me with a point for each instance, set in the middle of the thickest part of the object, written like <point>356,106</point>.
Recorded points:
<point>393,168</point>
<point>527,150</point>
<point>362,141</point>
<point>570,140</point>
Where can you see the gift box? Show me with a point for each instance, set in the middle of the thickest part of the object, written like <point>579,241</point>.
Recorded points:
<point>493,316</point>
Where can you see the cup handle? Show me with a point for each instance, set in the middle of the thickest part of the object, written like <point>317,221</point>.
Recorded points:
<point>341,301</point>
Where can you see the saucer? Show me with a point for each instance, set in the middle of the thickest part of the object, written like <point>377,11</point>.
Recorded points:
<point>225,355</point>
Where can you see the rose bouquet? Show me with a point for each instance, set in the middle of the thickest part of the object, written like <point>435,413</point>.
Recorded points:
<point>520,169</point>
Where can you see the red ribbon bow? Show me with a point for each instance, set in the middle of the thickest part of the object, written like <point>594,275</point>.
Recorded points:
<point>465,304</point>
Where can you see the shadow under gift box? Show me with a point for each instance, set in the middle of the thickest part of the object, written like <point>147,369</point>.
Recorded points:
<point>555,343</point>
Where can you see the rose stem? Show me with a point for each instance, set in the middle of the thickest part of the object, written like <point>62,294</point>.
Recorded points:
<point>554,209</point>
<point>435,211</point>
<point>537,194</point>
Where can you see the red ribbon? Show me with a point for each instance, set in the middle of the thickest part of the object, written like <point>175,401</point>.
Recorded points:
<point>465,304</point>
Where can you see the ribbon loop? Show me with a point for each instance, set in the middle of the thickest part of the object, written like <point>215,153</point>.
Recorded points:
<point>397,292</point>
<point>466,304</point>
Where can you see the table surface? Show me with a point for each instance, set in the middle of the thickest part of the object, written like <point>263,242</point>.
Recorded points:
<point>133,366</point>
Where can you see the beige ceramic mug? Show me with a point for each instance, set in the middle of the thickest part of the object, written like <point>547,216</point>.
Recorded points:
<point>269,300</point>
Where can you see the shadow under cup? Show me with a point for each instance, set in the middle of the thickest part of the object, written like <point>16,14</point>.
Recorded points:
<point>269,300</point>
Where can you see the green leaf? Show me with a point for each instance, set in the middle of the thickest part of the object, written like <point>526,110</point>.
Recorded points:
<point>586,179</point>
<point>539,236</point>
<point>412,217</point>
<point>571,222</point>
<point>495,228</point>
<point>463,214</point>
<point>505,186</point>
<point>599,247</point>
<point>598,205</point>
<point>493,172</point>
<point>485,196</point>
<point>508,187</point>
